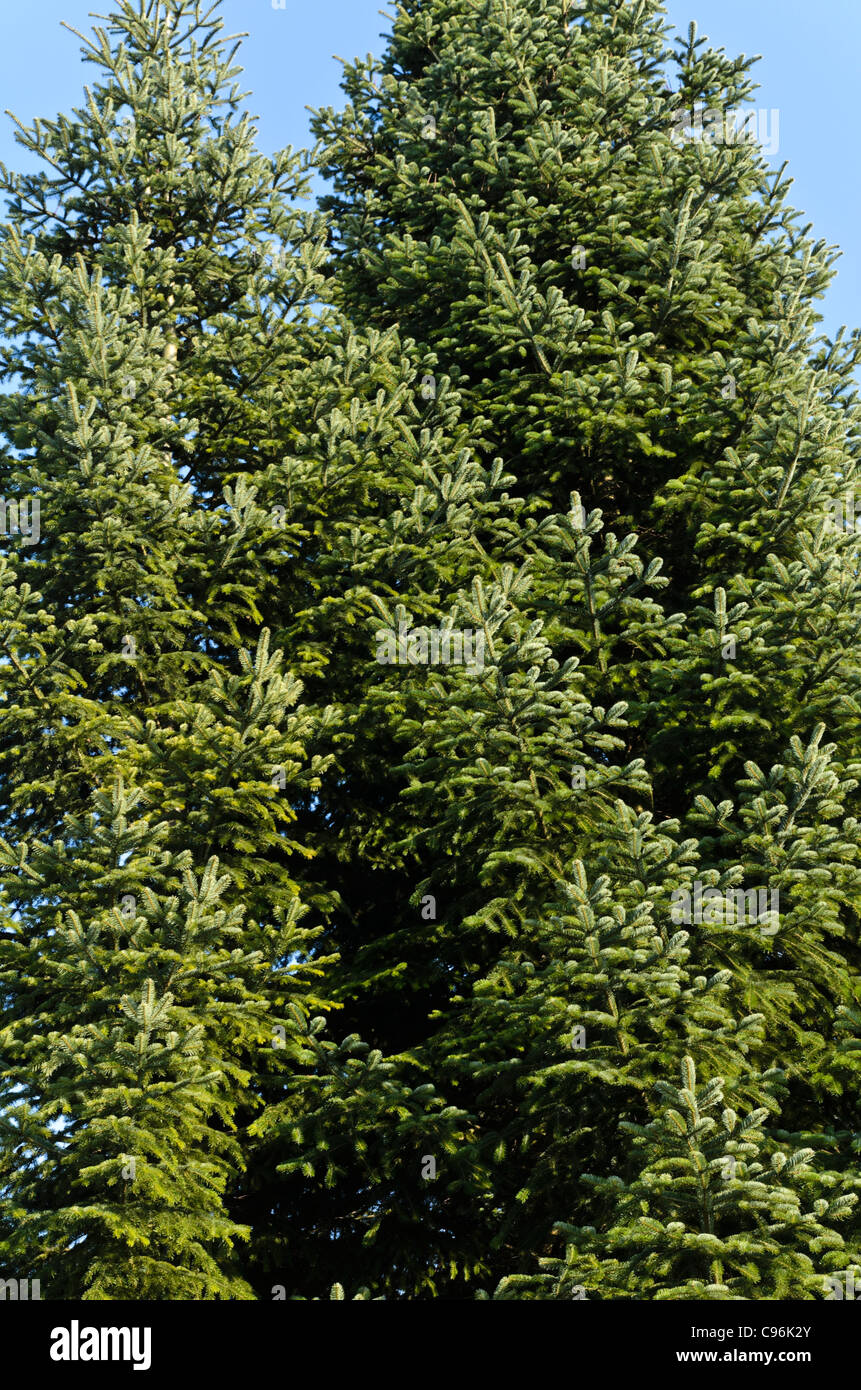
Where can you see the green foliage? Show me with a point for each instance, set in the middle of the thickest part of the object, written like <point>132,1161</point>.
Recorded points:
<point>331,963</point>
<point>713,1211</point>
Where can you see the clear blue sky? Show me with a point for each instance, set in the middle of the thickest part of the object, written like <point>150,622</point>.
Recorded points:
<point>809,72</point>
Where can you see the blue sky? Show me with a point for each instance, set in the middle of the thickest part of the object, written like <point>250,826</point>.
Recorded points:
<point>809,73</point>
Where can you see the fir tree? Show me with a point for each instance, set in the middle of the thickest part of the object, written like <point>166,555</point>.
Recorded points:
<point>670,371</point>
<point>393,947</point>
<point>120,1084</point>
<point>144,987</point>
<point>627,319</point>
<point>713,1211</point>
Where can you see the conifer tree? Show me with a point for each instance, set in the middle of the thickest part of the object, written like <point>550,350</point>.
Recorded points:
<point>394,947</point>
<point>201,473</point>
<point>625,312</point>
<point>667,368</point>
<point>120,1062</point>
<point>146,968</point>
<point>713,1212</point>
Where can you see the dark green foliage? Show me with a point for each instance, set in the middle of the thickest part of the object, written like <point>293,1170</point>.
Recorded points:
<point>714,1212</point>
<point>337,960</point>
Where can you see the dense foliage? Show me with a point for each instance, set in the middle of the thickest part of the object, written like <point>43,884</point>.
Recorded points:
<point>430,707</point>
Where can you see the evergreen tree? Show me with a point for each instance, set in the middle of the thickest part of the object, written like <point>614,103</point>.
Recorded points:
<point>627,318</point>
<point>713,1212</point>
<point>202,472</point>
<point>334,950</point>
<point>120,1061</point>
<point>147,966</point>
<point>670,371</point>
